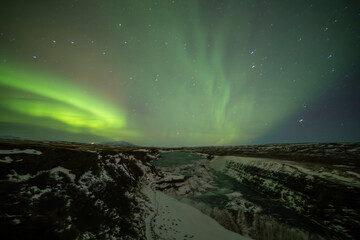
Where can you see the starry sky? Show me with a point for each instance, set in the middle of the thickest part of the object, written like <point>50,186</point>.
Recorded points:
<point>180,72</point>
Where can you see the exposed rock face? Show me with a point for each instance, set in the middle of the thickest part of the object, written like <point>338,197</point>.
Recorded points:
<point>320,185</point>
<point>186,179</point>
<point>328,195</point>
<point>259,226</point>
<point>201,189</point>
<point>323,153</point>
<point>64,191</point>
<point>77,191</point>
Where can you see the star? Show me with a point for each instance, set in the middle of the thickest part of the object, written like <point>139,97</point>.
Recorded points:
<point>208,60</point>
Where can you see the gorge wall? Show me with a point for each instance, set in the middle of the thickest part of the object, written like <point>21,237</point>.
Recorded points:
<point>327,194</point>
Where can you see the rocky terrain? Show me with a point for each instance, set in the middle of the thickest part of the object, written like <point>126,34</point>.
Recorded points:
<point>79,191</point>
<point>320,187</point>
<point>72,191</point>
<point>324,194</point>
<point>59,190</point>
<point>230,203</point>
<point>326,153</point>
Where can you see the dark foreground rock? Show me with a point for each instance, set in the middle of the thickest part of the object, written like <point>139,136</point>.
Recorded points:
<point>69,191</point>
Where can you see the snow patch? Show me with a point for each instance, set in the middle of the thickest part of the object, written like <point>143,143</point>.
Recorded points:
<point>354,174</point>
<point>7,159</point>
<point>105,176</point>
<point>117,160</point>
<point>222,163</point>
<point>16,221</point>
<point>234,195</point>
<point>15,177</point>
<point>152,156</point>
<point>173,219</point>
<point>37,193</point>
<point>142,150</point>
<point>63,170</point>
<point>16,151</point>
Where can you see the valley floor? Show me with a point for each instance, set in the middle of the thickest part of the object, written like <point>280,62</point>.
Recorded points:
<point>173,219</point>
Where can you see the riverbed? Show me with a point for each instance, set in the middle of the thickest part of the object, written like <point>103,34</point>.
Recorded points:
<point>262,215</point>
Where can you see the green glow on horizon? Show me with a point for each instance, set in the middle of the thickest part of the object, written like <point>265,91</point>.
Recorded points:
<point>173,73</point>
<point>62,101</point>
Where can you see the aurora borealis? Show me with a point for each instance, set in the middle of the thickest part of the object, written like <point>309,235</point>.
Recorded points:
<point>180,73</point>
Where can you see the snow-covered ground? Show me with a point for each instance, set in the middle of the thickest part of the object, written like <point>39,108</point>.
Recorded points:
<point>310,171</point>
<point>308,188</point>
<point>17,151</point>
<point>173,219</point>
<point>7,159</point>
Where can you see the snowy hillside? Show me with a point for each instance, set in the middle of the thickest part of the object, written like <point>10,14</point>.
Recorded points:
<point>63,191</point>
<point>326,194</point>
<point>78,191</point>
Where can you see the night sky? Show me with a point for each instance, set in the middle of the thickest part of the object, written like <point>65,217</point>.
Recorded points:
<point>180,73</point>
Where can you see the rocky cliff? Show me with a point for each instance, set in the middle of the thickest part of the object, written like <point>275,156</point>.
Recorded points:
<point>78,191</point>
<point>326,191</point>
<point>72,191</point>
<point>281,191</point>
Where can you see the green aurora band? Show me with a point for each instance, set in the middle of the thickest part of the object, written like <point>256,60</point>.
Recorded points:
<point>181,73</point>
<point>55,99</point>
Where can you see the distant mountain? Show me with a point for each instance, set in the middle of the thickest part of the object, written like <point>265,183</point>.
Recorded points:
<point>118,143</point>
